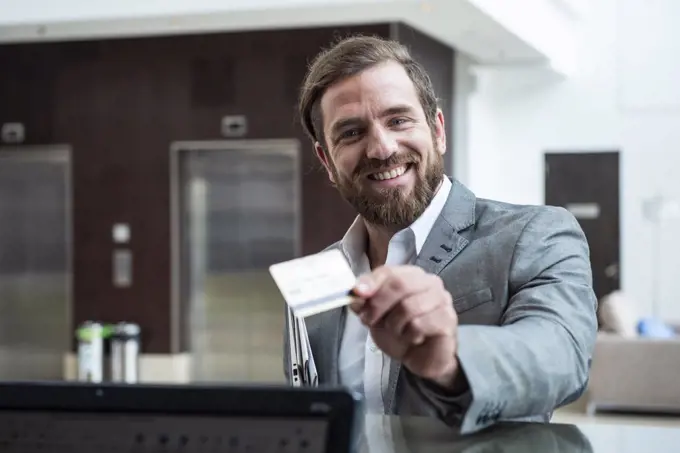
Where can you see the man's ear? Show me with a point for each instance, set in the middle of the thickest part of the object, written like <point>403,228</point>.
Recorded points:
<point>323,157</point>
<point>440,132</point>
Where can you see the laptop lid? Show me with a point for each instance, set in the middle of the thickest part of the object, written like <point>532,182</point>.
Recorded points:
<point>82,417</point>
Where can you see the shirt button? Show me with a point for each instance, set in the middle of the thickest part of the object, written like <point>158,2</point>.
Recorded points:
<point>373,348</point>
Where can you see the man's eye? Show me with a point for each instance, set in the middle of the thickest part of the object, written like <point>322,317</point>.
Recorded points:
<point>350,133</point>
<point>397,121</point>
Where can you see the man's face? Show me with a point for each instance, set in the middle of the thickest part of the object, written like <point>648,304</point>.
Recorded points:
<point>382,155</point>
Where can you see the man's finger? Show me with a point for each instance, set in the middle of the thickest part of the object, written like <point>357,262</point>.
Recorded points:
<point>368,284</point>
<point>436,322</point>
<point>394,291</point>
<point>357,305</point>
<point>410,308</point>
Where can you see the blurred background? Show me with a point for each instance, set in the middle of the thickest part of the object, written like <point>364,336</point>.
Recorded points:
<point>152,167</point>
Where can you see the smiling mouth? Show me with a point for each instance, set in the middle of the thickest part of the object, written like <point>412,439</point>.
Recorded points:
<point>390,174</point>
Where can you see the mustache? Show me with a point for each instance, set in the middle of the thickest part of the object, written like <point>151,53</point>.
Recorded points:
<point>370,165</point>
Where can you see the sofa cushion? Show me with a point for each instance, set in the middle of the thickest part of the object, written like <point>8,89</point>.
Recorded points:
<point>616,314</point>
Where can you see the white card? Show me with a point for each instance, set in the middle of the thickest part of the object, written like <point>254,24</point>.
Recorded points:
<point>315,283</point>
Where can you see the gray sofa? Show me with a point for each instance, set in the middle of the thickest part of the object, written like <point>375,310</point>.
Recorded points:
<point>635,375</point>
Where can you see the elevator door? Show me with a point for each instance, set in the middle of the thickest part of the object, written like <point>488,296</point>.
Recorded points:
<point>35,271</point>
<point>240,213</point>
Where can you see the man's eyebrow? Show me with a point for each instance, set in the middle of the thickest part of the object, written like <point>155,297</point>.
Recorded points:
<point>345,122</point>
<point>397,110</point>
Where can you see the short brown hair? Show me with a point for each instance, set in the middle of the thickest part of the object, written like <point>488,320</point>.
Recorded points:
<point>349,57</point>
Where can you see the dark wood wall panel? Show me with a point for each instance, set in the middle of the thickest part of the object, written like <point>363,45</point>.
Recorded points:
<point>27,89</point>
<point>121,103</point>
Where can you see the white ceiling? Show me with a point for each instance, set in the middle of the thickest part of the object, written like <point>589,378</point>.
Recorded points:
<point>458,23</point>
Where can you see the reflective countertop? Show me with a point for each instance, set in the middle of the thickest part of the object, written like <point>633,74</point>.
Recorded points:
<point>385,434</point>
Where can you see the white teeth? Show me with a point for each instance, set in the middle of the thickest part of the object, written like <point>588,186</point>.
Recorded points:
<point>389,174</point>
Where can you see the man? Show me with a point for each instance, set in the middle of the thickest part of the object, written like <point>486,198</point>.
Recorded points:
<point>469,310</point>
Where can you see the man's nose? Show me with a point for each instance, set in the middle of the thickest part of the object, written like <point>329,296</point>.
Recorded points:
<point>381,144</point>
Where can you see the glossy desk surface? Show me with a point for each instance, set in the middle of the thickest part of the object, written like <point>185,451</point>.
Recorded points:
<point>383,434</point>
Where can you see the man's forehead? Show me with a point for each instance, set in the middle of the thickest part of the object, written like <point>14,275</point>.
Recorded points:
<point>380,87</point>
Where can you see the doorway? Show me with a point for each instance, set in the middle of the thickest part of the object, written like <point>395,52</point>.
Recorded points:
<point>35,261</point>
<point>237,213</point>
<point>587,184</point>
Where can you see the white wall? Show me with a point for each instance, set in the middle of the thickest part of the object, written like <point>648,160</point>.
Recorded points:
<point>626,97</point>
<point>547,28</point>
<point>463,87</point>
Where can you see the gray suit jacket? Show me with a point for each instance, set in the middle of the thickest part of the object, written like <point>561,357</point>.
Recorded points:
<point>521,283</point>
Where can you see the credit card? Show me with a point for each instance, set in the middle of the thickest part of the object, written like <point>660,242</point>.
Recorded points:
<point>315,283</point>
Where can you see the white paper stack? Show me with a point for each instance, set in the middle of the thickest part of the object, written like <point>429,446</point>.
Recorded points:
<point>302,368</point>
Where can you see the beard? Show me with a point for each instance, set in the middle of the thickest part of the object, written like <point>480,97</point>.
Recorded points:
<point>393,207</point>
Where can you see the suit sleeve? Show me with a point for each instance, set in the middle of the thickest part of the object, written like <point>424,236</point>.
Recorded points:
<point>538,358</point>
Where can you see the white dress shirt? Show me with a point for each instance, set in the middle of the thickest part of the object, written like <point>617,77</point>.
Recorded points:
<point>363,367</point>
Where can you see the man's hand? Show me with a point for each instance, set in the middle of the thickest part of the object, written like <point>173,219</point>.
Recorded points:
<point>411,318</point>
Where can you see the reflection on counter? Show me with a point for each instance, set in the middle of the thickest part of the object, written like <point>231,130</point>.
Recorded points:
<point>382,434</point>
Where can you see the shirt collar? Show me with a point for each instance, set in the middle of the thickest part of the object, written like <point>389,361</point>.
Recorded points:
<point>423,225</point>
<point>354,241</point>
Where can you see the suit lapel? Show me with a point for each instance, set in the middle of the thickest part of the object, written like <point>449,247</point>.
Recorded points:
<point>442,245</point>
<point>331,324</point>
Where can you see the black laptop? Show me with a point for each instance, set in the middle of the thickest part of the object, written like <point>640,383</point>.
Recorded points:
<point>55,417</point>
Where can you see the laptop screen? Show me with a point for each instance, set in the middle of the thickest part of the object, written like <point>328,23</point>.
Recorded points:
<point>29,432</point>
<point>75,418</point>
